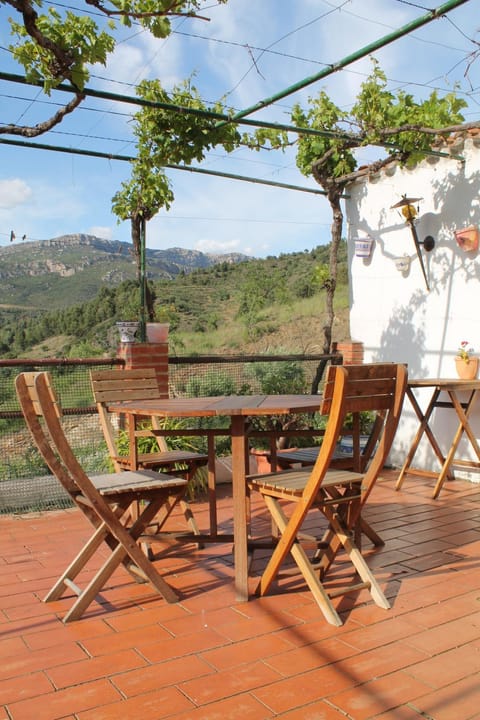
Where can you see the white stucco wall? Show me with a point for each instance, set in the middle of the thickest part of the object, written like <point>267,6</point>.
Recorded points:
<point>392,312</point>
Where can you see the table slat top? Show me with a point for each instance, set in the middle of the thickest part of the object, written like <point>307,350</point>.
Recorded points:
<point>445,383</point>
<point>223,405</point>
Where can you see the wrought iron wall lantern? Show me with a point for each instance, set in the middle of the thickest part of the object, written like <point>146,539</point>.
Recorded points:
<point>410,212</point>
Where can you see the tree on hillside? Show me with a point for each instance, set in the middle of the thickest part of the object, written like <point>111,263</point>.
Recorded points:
<point>402,129</point>
<point>165,137</point>
<point>139,200</point>
<point>56,45</point>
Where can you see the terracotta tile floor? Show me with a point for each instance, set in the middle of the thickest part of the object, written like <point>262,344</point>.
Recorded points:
<point>208,657</point>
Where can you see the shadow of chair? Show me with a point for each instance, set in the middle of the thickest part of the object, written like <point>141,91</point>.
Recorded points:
<point>339,494</point>
<point>110,386</point>
<point>105,501</point>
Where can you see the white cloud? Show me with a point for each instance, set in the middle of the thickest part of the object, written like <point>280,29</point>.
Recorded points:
<point>14,192</point>
<point>99,231</point>
<point>211,245</point>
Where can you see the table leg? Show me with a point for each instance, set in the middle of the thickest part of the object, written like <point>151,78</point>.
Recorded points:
<point>240,519</point>
<point>134,509</point>
<point>132,441</point>
<point>463,427</point>
<point>423,428</point>
<point>212,484</point>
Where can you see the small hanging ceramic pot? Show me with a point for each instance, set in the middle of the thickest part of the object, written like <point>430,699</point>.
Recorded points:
<point>466,370</point>
<point>363,247</point>
<point>467,238</point>
<point>403,263</point>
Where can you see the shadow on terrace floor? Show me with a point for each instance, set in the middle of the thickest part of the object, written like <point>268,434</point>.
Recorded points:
<point>209,657</point>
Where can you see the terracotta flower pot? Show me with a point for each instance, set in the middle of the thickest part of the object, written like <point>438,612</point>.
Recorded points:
<point>467,238</point>
<point>466,370</point>
<point>157,332</point>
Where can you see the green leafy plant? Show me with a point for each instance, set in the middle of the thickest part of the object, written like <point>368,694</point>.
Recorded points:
<point>464,352</point>
<point>198,485</point>
<point>55,45</point>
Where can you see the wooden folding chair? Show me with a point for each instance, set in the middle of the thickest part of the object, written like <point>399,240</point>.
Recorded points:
<point>338,494</point>
<point>111,386</point>
<point>104,500</point>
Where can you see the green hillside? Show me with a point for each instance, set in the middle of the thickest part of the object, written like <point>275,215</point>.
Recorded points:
<point>267,305</point>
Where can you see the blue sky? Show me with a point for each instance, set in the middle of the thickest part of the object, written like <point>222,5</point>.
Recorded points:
<point>246,52</point>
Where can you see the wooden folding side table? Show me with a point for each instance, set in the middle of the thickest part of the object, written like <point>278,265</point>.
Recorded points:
<point>463,410</point>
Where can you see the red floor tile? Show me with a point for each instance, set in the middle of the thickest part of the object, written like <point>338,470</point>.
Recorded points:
<point>155,705</point>
<point>264,648</point>
<point>227,683</point>
<point>459,700</point>
<point>168,673</point>
<point>15,689</point>
<point>70,701</point>
<point>90,669</point>
<point>378,696</point>
<point>305,688</point>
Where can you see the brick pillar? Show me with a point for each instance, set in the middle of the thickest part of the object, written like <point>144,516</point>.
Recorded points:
<point>352,352</point>
<point>147,355</point>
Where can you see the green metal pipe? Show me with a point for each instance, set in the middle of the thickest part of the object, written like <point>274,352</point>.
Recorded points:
<point>366,50</point>
<point>231,176</point>
<point>202,171</point>
<point>143,282</point>
<point>114,97</point>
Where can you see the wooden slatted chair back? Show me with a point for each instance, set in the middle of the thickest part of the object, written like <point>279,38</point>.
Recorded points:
<point>42,413</point>
<point>110,386</point>
<point>121,385</point>
<point>377,388</point>
<point>369,388</point>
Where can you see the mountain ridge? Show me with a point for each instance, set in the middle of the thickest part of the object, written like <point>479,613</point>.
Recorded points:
<point>42,273</point>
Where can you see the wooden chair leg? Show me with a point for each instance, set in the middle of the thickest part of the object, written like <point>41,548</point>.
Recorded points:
<point>367,530</point>
<point>359,563</point>
<point>127,552</point>
<point>302,561</point>
<point>78,563</point>
<point>164,514</point>
<point>191,520</point>
<point>98,581</point>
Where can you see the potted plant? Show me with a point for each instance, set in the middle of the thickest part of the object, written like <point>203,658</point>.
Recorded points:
<point>128,322</point>
<point>363,246</point>
<point>465,363</point>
